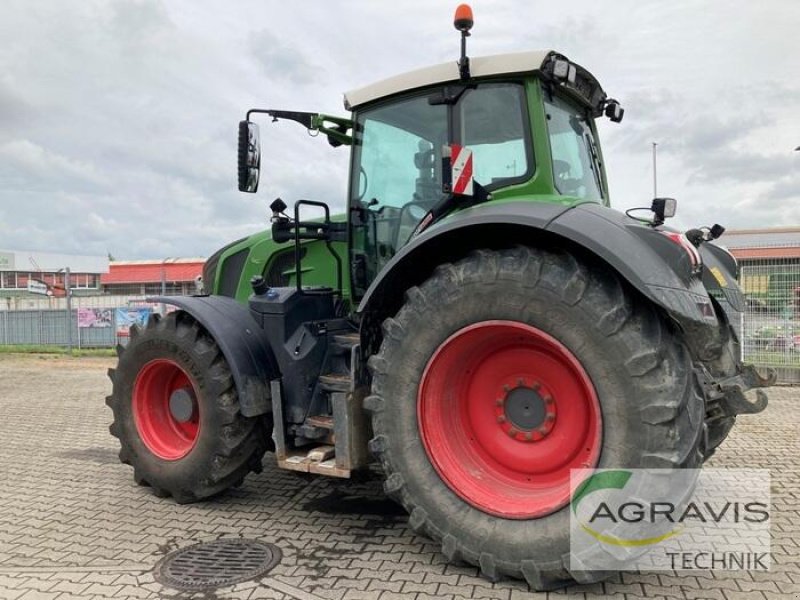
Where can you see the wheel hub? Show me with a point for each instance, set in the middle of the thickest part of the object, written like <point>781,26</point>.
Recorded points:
<point>526,412</point>
<point>181,405</point>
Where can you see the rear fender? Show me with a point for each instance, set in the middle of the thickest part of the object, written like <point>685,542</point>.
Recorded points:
<point>650,262</point>
<point>242,342</point>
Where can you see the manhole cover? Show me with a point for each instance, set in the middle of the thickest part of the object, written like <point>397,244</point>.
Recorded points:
<point>216,564</point>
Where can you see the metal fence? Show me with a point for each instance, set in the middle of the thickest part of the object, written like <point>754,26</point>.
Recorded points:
<point>771,326</point>
<point>53,328</point>
<point>90,322</point>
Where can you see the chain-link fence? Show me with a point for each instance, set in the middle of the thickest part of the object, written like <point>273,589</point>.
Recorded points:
<point>771,327</point>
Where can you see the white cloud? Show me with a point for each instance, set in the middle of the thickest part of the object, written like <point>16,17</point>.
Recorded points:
<point>118,119</point>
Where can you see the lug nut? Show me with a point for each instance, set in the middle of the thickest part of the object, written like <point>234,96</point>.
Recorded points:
<point>501,419</point>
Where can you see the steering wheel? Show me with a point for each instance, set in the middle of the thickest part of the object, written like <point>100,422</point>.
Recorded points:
<point>565,183</point>
<point>409,220</point>
<point>362,174</point>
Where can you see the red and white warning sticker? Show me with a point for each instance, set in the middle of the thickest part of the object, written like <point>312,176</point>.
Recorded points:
<point>461,165</point>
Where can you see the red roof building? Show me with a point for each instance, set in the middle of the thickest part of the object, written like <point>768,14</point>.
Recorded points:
<point>145,277</point>
<point>769,244</point>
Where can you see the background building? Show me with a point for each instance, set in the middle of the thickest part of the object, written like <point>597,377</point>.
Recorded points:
<point>105,298</point>
<point>34,275</point>
<point>172,276</point>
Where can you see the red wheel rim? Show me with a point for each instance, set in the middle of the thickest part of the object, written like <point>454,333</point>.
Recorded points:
<point>165,409</point>
<point>505,412</point>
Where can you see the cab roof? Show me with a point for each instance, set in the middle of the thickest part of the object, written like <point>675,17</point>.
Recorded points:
<point>480,66</point>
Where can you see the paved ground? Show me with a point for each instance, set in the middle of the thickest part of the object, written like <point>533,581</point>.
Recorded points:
<point>74,525</point>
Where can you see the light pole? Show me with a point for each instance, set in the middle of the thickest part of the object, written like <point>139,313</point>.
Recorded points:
<point>164,284</point>
<point>68,296</point>
<point>655,175</point>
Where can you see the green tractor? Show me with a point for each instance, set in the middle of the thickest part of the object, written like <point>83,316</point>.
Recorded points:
<point>480,321</point>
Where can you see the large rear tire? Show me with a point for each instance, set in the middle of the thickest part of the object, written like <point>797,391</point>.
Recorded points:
<point>501,373</point>
<point>176,412</point>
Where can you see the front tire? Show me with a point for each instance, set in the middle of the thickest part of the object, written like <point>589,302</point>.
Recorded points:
<point>501,373</point>
<point>177,415</point>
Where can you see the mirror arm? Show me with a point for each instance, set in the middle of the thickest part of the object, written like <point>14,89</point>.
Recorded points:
<point>337,134</point>
<point>304,118</point>
<point>335,128</point>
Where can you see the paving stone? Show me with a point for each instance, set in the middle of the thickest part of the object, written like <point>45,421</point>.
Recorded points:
<point>387,586</point>
<point>70,587</point>
<point>491,593</point>
<point>412,587</point>
<point>73,505</point>
<point>739,595</point>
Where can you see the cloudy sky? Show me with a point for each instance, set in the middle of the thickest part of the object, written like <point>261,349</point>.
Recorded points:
<point>118,118</point>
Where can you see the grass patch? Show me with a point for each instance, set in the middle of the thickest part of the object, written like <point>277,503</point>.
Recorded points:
<point>58,350</point>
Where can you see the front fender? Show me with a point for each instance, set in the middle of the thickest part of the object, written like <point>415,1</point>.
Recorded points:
<point>242,342</point>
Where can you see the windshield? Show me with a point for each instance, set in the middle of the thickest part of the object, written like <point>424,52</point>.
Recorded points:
<point>577,169</point>
<point>397,162</point>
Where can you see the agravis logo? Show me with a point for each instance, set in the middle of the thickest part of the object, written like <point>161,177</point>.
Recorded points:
<point>606,480</point>
<point>650,517</point>
<point>653,513</point>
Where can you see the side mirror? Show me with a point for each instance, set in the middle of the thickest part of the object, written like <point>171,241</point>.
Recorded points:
<point>249,156</point>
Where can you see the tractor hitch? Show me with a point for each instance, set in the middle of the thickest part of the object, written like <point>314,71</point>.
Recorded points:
<point>730,391</point>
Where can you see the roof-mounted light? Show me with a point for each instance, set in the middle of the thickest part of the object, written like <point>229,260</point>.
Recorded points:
<point>613,110</point>
<point>463,20</point>
<point>564,70</point>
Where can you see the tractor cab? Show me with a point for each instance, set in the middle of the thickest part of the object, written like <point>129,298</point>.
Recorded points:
<point>527,135</point>
<point>525,121</point>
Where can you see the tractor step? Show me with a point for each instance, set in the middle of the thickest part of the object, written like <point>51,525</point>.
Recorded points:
<point>344,448</point>
<point>321,421</point>
<point>334,382</point>
<point>347,339</point>
<point>319,460</point>
<point>341,344</point>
